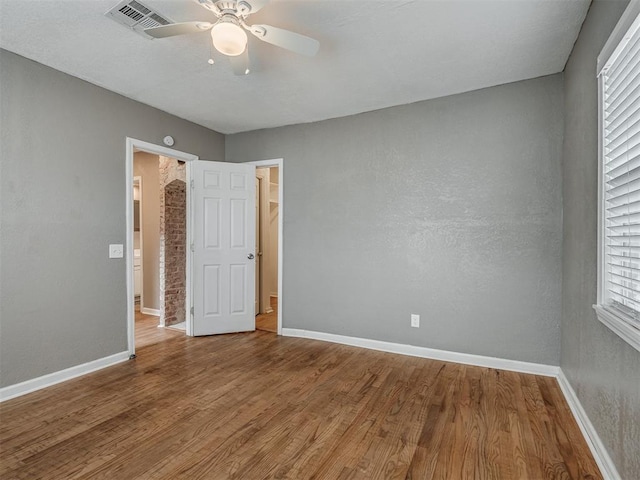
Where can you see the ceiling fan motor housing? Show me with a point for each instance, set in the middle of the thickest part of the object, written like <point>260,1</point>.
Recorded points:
<point>229,18</point>
<point>240,8</point>
<point>231,7</point>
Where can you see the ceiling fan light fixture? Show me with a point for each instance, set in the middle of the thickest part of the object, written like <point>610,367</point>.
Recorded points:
<point>229,38</point>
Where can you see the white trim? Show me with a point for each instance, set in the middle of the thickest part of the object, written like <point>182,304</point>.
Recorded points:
<point>598,450</point>
<point>264,241</point>
<point>615,43</point>
<point>601,281</point>
<point>615,322</point>
<point>627,25</point>
<point>431,353</point>
<point>189,234</point>
<point>13,391</point>
<point>150,311</point>
<point>278,162</point>
<point>138,179</point>
<point>132,145</point>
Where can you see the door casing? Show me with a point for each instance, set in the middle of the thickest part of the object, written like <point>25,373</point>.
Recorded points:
<point>132,145</point>
<point>262,197</point>
<point>278,162</point>
<point>138,180</point>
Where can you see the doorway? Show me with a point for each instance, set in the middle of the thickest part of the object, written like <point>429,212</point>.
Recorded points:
<point>160,244</point>
<point>269,245</point>
<point>132,145</point>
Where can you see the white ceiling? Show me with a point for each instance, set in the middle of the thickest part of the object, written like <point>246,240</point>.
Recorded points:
<point>373,54</point>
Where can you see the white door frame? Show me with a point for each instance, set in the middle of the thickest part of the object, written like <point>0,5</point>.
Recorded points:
<point>131,146</point>
<point>278,162</point>
<point>141,237</point>
<point>264,305</point>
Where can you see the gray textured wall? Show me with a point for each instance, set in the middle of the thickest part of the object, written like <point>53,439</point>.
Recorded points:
<point>147,166</point>
<point>449,208</point>
<point>603,369</point>
<point>62,180</point>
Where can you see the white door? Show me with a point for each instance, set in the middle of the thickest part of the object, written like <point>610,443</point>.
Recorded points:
<point>223,258</point>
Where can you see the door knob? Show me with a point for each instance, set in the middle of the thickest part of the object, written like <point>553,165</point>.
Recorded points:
<point>250,256</point>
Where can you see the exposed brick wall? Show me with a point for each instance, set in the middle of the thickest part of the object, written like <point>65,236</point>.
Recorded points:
<point>175,238</point>
<point>172,241</point>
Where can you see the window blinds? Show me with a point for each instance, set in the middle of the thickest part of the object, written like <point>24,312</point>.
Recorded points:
<point>621,171</point>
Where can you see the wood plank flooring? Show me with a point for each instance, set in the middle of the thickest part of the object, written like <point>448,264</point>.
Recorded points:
<point>257,406</point>
<point>268,322</point>
<point>148,333</point>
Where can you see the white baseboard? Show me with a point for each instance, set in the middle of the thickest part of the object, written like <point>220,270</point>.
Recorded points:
<point>150,311</point>
<point>599,452</point>
<point>12,391</point>
<point>465,358</point>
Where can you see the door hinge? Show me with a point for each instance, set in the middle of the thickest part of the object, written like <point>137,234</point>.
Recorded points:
<point>192,311</point>
<point>193,185</point>
<point>193,248</point>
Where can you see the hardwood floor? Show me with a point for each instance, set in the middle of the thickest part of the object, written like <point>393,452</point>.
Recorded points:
<point>148,333</point>
<point>254,406</point>
<point>268,322</point>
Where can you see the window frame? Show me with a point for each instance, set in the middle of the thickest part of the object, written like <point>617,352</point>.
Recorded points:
<point>616,320</point>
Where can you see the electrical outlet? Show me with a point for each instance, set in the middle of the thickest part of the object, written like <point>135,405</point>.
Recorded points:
<point>415,320</point>
<point>116,250</point>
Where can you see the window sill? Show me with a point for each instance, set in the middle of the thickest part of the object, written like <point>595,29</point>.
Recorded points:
<point>616,322</point>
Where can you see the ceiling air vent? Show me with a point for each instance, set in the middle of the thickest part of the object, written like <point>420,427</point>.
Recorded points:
<point>136,16</point>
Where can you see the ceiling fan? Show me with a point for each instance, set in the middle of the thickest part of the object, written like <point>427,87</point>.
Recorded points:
<point>228,33</point>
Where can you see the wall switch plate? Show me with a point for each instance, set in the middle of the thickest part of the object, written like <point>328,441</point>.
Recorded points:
<point>415,320</point>
<point>116,250</point>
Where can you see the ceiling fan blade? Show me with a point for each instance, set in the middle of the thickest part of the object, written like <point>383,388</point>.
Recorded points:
<point>286,39</point>
<point>178,29</point>
<point>240,63</point>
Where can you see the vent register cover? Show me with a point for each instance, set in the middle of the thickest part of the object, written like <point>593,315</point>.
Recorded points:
<point>136,16</point>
